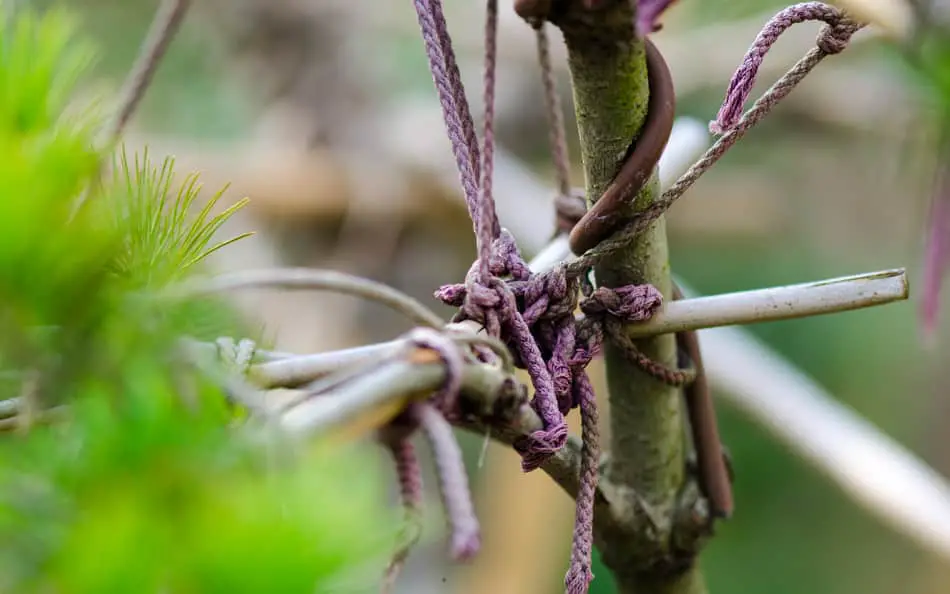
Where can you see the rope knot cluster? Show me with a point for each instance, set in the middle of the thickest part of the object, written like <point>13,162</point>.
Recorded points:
<point>534,315</point>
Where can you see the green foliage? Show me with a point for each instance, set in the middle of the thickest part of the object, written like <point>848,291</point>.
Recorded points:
<point>146,497</point>
<point>148,485</point>
<point>157,225</point>
<point>40,64</point>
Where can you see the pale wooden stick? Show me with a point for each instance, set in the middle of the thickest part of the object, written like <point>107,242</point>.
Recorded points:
<point>777,303</point>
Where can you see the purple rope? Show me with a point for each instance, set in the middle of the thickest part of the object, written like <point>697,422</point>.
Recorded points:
<point>580,575</point>
<point>455,83</point>
<point>448,84</point>
<point>453,482</point>
<point>445,399</point>
<point>410,490</point>
<point>832,40</point>
<point>937,256</point>
<point>450,468</point>
<point>488,216</point>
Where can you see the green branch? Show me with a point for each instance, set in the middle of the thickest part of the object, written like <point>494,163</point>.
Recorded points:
<point>646,472</point>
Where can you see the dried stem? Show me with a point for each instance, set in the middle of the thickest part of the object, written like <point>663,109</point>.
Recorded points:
<point>311,279</point>
<point>777,303</point>
<point>760,305</point>
<point>297,370</point>
<point>166,24</point>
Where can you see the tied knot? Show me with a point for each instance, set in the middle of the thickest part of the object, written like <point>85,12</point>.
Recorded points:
<point>488,304</point>
<point>538,446</point>
<point>835,36</point>
<point>632,303</point>
<point>505,260</point>
<point>479,297</point>
<point>488,301</point>
<point>549,296</point>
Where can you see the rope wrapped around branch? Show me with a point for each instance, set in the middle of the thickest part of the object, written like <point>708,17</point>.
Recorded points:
<point>532,314</point>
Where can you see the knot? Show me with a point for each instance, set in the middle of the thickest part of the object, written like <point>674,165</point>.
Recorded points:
<point>506,258</point>
<point>492,302</point>
<point>632,303</point>
<point>489,305</point>
<point>479,297</point>
<point>834,37</point>
<point>549,296</point>
<point>538,446</point>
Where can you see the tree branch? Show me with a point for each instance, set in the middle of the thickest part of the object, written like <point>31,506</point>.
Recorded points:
<point>647,464</point>
<point>362,388</point>
<point>492,401</point>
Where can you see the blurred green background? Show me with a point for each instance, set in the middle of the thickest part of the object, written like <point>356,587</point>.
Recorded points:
<point>820,190</point>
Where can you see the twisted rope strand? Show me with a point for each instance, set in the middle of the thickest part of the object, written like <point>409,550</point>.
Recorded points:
<point>579,574</point>
<point>553,111</point>
<point>832,40</point>
<point>488,222</point>
<point>455,82</point>
<point>452,99</point>
<point>410,490</point>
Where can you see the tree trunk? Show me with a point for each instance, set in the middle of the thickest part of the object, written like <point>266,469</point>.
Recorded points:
<point>646,471</point>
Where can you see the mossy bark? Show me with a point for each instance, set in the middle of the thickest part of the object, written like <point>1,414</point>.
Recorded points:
<point>646,471</point>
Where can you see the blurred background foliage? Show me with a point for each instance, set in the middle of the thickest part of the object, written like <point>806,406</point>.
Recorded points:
<point>837,181</point>
<point>150,484</point>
